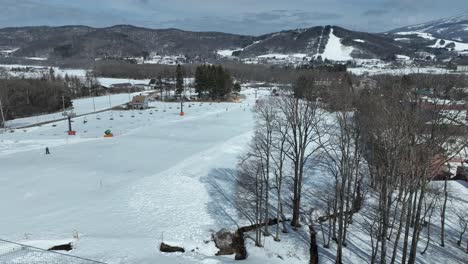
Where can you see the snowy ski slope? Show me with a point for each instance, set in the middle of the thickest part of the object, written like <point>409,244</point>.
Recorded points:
<point>153,181</point>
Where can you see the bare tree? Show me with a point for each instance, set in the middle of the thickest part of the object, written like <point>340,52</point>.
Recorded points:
<point>265,111</point>
<point>301,116</point>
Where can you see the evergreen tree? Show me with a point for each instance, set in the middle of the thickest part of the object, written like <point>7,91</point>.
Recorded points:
<point>179,80</point>
<point>213,80</point>
<point>236,87</point>
<point>201,80</point>
<point>51,74</point>
<point>220,82</point>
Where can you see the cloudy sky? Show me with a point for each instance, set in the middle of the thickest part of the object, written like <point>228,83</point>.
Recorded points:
<point>235,16</point>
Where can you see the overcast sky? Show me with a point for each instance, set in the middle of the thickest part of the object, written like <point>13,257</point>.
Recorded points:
<point>235,16</point>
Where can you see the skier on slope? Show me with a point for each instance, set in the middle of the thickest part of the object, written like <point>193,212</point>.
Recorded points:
<point>47,152</point>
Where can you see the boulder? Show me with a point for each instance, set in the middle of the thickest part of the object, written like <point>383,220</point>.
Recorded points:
<point>223,240</point>
<point>64,247</point>
<point>170,249</point>
<point>230,243</point>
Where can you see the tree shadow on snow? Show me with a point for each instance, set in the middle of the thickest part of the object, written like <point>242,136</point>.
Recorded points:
<point>221,186</point>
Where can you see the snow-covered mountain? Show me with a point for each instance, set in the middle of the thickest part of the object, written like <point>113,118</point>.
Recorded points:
<point>331,42</point>
<point>328,42</point>
<point>452,28</point>
<point>445,38</point>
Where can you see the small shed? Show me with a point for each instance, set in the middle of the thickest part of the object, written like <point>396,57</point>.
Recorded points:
<point>139,102</point>
<point>141,86</point>
<point>121,86</point>
<point>462,68</point>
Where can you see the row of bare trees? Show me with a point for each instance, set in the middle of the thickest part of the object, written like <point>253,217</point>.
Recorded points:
<point>385,144</point>
<point>407,144</point>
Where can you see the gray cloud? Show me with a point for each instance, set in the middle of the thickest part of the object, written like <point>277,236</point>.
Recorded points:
<point>375,12</point>
<point>234,16</point>
<point>264,22</point>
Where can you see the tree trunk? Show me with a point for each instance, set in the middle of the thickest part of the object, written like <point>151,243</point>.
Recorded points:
<point>400,227</point>
<point>416,230</point>
<point>442,216</point>
<point>314,257</point>
<point>296,199</point>
<point>407,227</point>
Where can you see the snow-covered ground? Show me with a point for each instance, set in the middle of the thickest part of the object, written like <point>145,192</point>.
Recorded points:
<point>335,50</point>
<point>400,71</point>
<point>458,46</point>
<point>440,43</point>
<point>38,71</point>
<point>123,194</point>
<point>80,106</point>
<point>419,34</point>
<point>152,182</point>
<point>227,53</point>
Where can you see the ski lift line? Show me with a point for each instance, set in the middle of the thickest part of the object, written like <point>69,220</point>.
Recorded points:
<point>52,252</point>
<point>60,119</point>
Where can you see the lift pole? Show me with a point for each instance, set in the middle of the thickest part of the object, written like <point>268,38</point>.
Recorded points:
<point>3,116</point>
<point>69,124</point>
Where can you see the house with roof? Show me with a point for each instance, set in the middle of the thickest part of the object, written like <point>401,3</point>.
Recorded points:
<point>462,64</point>
<point>139,102</point>
<point>442,168</point>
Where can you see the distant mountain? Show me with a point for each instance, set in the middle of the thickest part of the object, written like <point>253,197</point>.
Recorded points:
<point>442,38</point>
<point>452,28</point>
<point>116,41</point>
<point>330,42</point>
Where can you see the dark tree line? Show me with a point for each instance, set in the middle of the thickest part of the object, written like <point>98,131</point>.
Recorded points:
<point>239,71</point>
<point>26,97</point>
<point>213,81</point>
<point>22,97</point>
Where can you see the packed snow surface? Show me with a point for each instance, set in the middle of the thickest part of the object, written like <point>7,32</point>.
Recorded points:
<point>227,53</point>
<point>157,180</point>
<point>123,194</point>
<point>282,56</point>
<point>419,34</point>
<point>459,46</point>
<point>402,57</point>
<point>335,50</point>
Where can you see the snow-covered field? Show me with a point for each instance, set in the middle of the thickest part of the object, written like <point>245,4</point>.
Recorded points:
<point>440,43</point>
<point>80,106</point>
<point>38,71</point>
<point>459,46</point>
<point>152,182</point>
<point>123,194</point>
<point>400,71</point>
